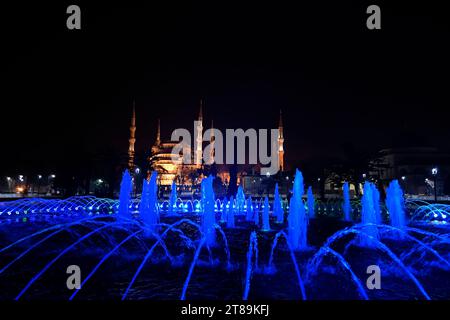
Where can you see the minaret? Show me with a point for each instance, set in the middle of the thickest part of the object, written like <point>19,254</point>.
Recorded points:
<point>132,140</point>
<point>158,133</point>
<point>280,144</point>
<point>199,137</point>
<point>200,113</point>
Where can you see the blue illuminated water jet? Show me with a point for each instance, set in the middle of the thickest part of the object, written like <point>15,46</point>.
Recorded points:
<point>395,204</point>
<point>376,203</point>
<point>223,216</point>
<point>148,208</point>
<point>346,206</point>
<point>240,201</point>
<point>208,217</point>
<point>252,263</point>
<point>173,199</point>
<point>368,216</point>
<point>310,200</point>
<point>249,209</point>
<point>124,197</point>
<point>297,218</point>
<point>265,215</point>
<point>278,211</point>
<point>271,267</point>
<point>230,214</point>
<point>256,215</point>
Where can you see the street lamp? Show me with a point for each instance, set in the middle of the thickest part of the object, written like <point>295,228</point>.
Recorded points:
<point>9,179</point>
<point>404,184</point>
<point>39,184</point>
<point>434,172</point>
<point>364,175</point>
<point>52,184</point>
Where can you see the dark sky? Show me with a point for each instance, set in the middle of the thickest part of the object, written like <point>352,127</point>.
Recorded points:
<point>339,84</point>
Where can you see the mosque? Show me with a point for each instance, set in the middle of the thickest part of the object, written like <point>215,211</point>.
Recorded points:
<point>170,166</point>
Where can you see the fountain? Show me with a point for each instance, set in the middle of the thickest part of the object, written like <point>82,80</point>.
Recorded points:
<point>230,214</point>
<point>160,255</point>
<point>148,208</point>
<point>256,215</point>
<point>396,205</point>
<point>208,216</point>
<point>368,216</point>
<point>346,207</point>
<point>124,197</point>
<point>297,218</point>
<point>249,209</point>
<point>252,263</point>
<point>223,216</point>
<point>310,201</point>
<point>265,215</point>
<point>278,211</point>
<point>376,203</point>
<point>173,199</point>
<point>240,201</point>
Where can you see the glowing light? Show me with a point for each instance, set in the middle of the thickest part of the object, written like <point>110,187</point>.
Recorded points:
<point>434,171</point>
<point>20,189</point>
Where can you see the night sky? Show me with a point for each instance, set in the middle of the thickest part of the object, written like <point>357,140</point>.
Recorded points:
<point>69,93</point>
